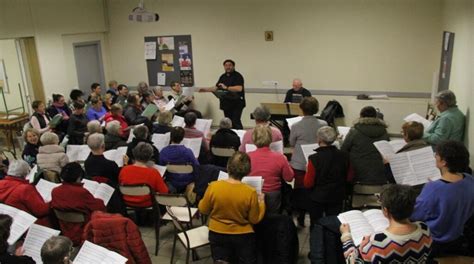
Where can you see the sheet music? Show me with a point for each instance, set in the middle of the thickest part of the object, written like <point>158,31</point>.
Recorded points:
<point>194,144</point>
<point>35,239</point>
<point>385,149</point>
<point>240,133</point>
<point>397,144</point>
<point>177,121</point>
<point>250,148</point>
<point>293,120</point>
<point>170,105</point>
<point>223,176</point>
<point>254,181</point>
<point>308,150</point>
<point>89,185</point>
<point>92,253</point>
<point>160,169</point>
<point>31,175</point>
<point>343,131</point>
<point>203,125</point>
<point>131,136</point>
<point>45,188</point>
<point>21,222</point>
<point>360,223</point>
<point>104,192</point>
<point>160,141</point>
<point>116,155</point>
<point>414,167</point>
<point>77,152</point>
<point>274,146</point>
<point>377,220</point>
<point>418,118</point>
<point>188,91</point>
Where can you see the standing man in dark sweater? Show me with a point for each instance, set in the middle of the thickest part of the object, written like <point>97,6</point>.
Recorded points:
<point>297,93</point>
<point>232,98</point>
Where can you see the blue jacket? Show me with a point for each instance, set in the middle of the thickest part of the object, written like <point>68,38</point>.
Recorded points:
<point>179,154</point>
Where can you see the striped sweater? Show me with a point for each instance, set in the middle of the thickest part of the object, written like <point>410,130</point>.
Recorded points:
<point>386,247</point>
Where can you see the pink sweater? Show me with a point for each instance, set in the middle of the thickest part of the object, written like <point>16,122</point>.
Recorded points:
<point>272,166</point>
<point>247,139</point>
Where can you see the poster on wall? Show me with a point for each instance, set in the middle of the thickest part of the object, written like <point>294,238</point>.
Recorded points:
<point>150,50</point>
<point>184,56</point>
<point>186,78</point>
<point>166,43</point>
<point>167,62</point>
<point>3,77</point>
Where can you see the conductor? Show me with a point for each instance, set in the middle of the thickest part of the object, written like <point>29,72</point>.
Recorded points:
<point>230,91</point>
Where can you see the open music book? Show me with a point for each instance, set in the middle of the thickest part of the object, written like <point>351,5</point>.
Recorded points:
<point>150,110</point>
<point>160,169</point>
<point>343,131</point>
<point>254,181</point>
<point>99,190</point>
<point>77,152</point>
<point>55,120</point>
<point>389,148</point>
<point>414,167</point>
<point>170,105</point>
<point>31,175</point>
<point>203,125</point>
<point>92,253</point>
<point>194,144</point>
<point>131,136</point>
<point>21,222</point>
<point>308,150</point>
<point>418,118</point>
<point>116,155</point>
<point>45,188</point>
<point>35,239</point>
<point>240,133</point>
<point>364,223</point>
<point>293,120</point>
<point>160,141</point>
<point>177,121</point>
<point>274,146</point>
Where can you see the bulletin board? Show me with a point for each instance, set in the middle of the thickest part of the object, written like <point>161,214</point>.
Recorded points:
<point>169,58</point>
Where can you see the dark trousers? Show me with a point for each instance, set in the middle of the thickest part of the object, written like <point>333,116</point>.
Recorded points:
<point>234,114</point>
<point>241,248</point>
<point>324,241</point>
<point>318,210</point>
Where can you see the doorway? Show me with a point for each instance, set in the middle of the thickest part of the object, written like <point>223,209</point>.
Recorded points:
<point>89,66</point>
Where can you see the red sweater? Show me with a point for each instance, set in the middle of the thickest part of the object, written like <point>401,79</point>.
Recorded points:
<point>73,197</point>
<point>119,234</point>
<point>132,174</point>
<point>19,193</point>
<point>272,166</point>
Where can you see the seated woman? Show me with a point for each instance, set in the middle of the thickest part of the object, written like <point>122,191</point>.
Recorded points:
<point>365,158</point>
<point>233,209</point>
<point>147,98</point>
<point>141,173</point>
<point>224,137</point>
<point>116,114</point>
<point>176,153</point>
<point>164,123</point>
<point>402,242</point>
<point>59,106</point>
<point>113,139</point>
<point>108,102</point>
<point>326,176</point>
<point>31,137</point>
<point>77,125</point>
<point>57,250</point>
<point>272,166</point>
<point>6,222</point>
<point>133,112</point>
<point>71,196</point>
<point>446,204</point>
<point>16,191</point>
<point>40,119</point>
<point>93,127</point>
<point>141,135</point>
<point>96,111</point>
<point>159,98</point>
<point>261,115</point>
<point>96,164</point>
<point>51,156</point>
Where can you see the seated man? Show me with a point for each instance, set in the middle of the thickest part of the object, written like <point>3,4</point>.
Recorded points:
<point>297,93</point>
<point>17,192</point>
<point>96,164</point>
<point>176,153</point>
<point>224,137</point>
<point>261,116</point>
<point>71,196</point>
<point>57,250</point>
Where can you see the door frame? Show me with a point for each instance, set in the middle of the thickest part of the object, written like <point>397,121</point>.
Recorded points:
<point>101,61</point>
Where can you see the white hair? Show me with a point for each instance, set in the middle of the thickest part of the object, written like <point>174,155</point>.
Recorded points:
<point>95,141</point>
<point>113,128</point>
<point>49,138</point>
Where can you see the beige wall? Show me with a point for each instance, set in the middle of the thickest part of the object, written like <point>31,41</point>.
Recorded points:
<point>458,17</point>
<point>375,45</point>
<point>12,66</point>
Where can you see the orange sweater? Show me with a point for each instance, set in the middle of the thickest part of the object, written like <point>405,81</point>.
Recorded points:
<point>233,207</point>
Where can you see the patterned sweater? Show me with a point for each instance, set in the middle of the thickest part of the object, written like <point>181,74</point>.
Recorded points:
<point>386,247</point>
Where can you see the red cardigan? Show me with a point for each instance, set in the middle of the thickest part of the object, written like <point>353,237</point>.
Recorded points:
<point>19,193</point>
<point>73,197</point>
<point>119,234</point>
<point>132,174</point>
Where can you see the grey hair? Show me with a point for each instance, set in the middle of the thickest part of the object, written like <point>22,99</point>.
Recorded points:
<point>143,152</point>
<point>225,123</point>
<point>156,89</point>
<point>140,132</point>
<point>94,127</point>
<point>49,138</point>
<point>447,97</point>
<point>261,114</point>
<point>56,249</point>
<point>18,168</point>
<point>95,141</point>
<point>142,87</point>
<point>113,128</point>
<point>327,134</point>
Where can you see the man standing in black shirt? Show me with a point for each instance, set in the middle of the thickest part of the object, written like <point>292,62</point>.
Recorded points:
<point>230,88</point>
<point>297,93</point>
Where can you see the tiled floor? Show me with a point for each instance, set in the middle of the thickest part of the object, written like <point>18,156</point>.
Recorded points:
<point>166,246</point>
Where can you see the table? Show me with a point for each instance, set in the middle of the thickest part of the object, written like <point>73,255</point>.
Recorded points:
<point>10,126</point>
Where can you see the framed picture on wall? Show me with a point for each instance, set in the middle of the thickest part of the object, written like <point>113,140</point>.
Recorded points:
<point>3,77</point>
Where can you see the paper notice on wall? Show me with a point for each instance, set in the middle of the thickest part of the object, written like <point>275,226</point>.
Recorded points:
<point>150,50</point>
<point>161,78</point>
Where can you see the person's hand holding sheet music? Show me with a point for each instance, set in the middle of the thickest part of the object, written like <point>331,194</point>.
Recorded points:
<point>125,159</point>
<point>345,228</point>
<point>261,197</point>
